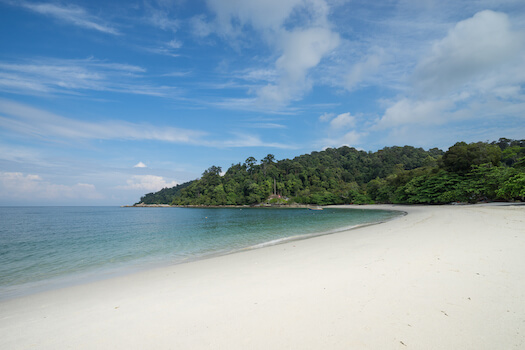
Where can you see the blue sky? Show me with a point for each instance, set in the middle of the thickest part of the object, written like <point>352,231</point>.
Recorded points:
<point>104,101</point>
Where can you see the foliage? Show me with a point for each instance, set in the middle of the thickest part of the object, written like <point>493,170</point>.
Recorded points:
<point>164,196</point>
<point>513,188</point>
<point>465,173</point>
<point>460,157</point>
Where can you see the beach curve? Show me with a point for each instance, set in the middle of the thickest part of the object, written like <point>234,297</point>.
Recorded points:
<point>441,277</point>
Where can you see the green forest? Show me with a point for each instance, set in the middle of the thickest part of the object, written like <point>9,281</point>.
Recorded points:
<point>472,172</point>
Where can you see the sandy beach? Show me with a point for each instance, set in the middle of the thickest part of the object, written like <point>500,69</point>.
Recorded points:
<point>440,277</point>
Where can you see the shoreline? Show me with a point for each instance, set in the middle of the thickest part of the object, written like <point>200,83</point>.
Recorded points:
<point>440,277</point>
<point>299,205</point>
<point>244,206</point>
<point>133,267</point>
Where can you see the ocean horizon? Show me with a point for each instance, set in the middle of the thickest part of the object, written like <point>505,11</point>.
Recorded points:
<point>44,248</point>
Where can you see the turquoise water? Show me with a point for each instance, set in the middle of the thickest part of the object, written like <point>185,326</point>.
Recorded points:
<point>46,247</point>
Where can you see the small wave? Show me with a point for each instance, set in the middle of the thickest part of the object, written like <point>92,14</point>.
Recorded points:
<point>310,235</point>
<point>303,237</point>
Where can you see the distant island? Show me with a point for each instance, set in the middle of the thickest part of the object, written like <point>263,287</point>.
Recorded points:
<point>465,173</point>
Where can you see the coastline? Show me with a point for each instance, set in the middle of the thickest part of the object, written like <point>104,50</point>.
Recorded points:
<point>440,277</point>
<point>260,205</point>
<point>280,234</point>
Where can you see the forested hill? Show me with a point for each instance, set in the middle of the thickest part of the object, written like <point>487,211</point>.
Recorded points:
<point>464,173</point>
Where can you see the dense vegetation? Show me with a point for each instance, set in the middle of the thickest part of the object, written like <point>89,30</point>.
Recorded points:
<point>465,173</point>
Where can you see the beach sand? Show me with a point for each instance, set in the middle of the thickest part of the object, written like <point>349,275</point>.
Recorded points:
<point>441,277</point>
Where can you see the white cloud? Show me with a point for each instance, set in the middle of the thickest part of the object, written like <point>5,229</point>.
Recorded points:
<point>475,72</point>
<point>407,111</point>
<point>341,130</point>
<point>344,120</point>
<point>140,165</point>
<point>350,138</point>
<point>147,183</point>
<point>297,31</point>
<point>17,186</point>
<point>303,49</point>
<point>384,43</point>
<point>19,182</point>
<point>473,51</point>
<point>70,14</point>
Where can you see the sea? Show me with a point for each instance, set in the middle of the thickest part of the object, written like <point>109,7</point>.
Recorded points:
<point>44,248</point>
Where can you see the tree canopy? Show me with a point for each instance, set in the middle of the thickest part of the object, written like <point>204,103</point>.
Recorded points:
<point>465,173</point>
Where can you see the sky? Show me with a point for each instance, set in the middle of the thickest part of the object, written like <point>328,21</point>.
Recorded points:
<point>102,102</point>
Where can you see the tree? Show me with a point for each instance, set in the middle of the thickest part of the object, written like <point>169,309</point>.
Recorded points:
<point>513,154</point>
<point>266,162</point>
<point>269,159</point>
<point>462,156</point>
<point>212,176</point>
<point>250,164</point>
<point>513,188</point>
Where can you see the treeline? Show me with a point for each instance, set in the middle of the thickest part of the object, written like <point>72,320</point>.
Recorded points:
<point>465,173</point>
<point>164,196</point>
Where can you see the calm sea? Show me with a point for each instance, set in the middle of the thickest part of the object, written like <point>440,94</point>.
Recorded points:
<point>47,247</point>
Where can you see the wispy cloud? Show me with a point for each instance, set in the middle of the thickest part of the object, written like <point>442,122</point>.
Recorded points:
<point>161,17</point>
<point>258,75</point>
<point>162,50</point>
<point>246,140</point>
<point>28,120</point>
<point>200,27</point>
<point>63,76</point>
<point>266,126</point>
<point>71,14</point>
<point>251,105</point>
<point>177,74</point>
<point>167,49</point>
<point>31,121</point>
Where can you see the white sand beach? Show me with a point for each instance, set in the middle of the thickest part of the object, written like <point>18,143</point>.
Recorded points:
<point>441,277</point>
